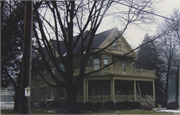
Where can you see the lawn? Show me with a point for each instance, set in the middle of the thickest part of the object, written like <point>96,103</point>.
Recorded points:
<point>50,111</point>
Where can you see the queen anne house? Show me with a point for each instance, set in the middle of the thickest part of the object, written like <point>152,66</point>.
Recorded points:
<point>118,82</point>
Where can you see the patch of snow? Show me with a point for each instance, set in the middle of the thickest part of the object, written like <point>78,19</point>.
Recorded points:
<point>7,105</point>
<point>52,111</point>
<point>167,110</point>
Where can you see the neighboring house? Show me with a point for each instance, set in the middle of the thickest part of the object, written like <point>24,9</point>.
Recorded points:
<point>118,82</point>
<point>7,94</point>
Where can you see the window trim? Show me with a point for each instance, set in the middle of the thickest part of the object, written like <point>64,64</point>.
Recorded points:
<point>124,67</point>
<point>96,63</point>
<point>109,59</point>
<point>115,45</point>
<point>62,90</point>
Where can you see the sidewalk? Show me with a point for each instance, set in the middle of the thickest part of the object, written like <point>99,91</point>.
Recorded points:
<point>7,105</point>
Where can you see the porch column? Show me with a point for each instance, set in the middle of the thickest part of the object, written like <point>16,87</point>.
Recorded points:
<point>134,90</point>
<point>153,90</point>
<point>84,91</point>
<point>112,90</point>
<point>87,91</point>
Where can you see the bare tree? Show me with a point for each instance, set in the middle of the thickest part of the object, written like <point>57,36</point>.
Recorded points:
<point>169,46</point>
<point>60,21</point>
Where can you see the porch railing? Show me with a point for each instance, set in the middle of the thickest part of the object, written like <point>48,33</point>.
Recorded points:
<point>150,100</point>
<point>124,98</point>
<point>99,98</point>
<point>140,99</point>
<point>120,71</point>
<point>79,98</point>
<point>131,98</point>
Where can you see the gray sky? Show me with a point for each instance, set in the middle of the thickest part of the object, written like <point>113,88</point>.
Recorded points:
<point>135,35</point>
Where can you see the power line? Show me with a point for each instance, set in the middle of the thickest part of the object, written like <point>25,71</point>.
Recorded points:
<point>149,12</point>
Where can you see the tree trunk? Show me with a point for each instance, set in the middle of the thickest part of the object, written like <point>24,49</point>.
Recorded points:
<point>177,85</point>
<point>167,81</point>
<point>16,100</point>
<point>71,94</point>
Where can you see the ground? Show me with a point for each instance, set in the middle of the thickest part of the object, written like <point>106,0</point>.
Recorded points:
<point>7,108</point>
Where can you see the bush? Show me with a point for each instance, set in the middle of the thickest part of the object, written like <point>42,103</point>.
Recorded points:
<point>135,105</point>
<point>119,105</point>
<point>89,106</point>
<point>63,105</point>
<point>80,105</point>
<point>42,105</point>
<point>109,105</point>
<point>126,105</point>
<point>98,105</point>
<point>54,104</point>
<point>173,105</point>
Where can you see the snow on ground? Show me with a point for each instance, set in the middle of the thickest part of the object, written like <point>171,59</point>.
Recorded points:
<point>167,110</point>
<point>10,105</point>
<point>7,105</point>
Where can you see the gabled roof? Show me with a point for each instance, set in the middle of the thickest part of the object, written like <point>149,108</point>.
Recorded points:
<point>97,41</point>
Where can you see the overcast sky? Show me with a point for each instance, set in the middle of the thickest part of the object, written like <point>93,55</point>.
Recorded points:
<point>135,35</point>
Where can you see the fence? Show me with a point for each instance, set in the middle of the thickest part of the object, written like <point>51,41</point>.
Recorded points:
<point>7,98</point>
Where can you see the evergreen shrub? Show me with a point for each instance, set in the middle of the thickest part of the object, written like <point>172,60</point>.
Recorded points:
<point>89,106</point>
<point>80,105</point>
<point>119,105</point>
<point>63,105</point>
<point>98,105</point>
<point>109,105</point>
<point>173,105</point>
<point>126,105</point>
<point>42,105</point>
<point>135,105</point>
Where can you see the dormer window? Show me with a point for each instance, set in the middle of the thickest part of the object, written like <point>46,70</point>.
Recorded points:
<point>115,45</point>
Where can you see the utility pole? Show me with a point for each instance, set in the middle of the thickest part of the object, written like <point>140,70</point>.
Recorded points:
<point>26,61</point>
<point>179,83</point>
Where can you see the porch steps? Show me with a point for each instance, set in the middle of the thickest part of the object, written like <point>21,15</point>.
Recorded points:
<point>146,105</point>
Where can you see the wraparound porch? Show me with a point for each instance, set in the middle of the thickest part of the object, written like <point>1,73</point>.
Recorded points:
<point>113,89</point>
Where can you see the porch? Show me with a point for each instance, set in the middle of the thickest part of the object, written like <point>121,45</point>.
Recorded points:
<point>115,90</point>
<point>121,98</point>
<point>120,71</point>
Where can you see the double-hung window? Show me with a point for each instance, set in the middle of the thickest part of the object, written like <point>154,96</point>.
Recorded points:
<point>96,62</point>
<point>61,92</point>
<point>88,65</point>
<point>106,62</point>
<point>124,66</point>
<point>52,93</point>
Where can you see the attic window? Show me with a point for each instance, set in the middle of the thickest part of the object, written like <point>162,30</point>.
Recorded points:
<point>115,45</point>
